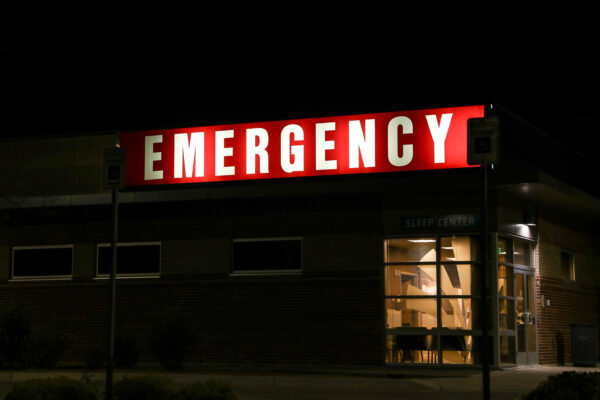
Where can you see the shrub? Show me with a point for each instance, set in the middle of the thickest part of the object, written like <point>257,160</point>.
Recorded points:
<point>126,352</point>
<point>95,357</point>
<point>154,387</point>
<point>46,349</point>
<point>209,390</point>
<point>15,333</point>
<point>60,388</point>
<point>172,341</point>
<point>569,385</point>
<point>144,388</point>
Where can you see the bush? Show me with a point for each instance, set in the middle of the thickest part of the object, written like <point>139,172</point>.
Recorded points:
<point>95,357</point>
<point>210,390</point>
<point>46,349</point>
<point>144,388</point>
<point>51,389</point>
<point>172,341</point>
<point>126,352</point>
<point>15,333</point>
<point>569,385</point>
<point>154,387</point>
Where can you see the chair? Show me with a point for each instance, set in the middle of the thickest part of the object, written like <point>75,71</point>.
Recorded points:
<point>455,343</point>
<point>405,345</point>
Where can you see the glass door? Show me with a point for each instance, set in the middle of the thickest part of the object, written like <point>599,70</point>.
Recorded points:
<point>516,302</point>
<point>525,317</point>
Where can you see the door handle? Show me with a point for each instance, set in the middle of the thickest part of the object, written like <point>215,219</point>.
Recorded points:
<point>529,319</point>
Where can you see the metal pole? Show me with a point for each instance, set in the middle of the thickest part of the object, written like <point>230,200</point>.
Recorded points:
<point>485,362</point>
<point>112,298</point>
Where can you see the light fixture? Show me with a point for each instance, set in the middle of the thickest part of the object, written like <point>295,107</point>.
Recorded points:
<point>447,248</point>
<point>421,240</point>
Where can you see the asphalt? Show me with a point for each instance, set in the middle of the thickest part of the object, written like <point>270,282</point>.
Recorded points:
<point>264,382</point>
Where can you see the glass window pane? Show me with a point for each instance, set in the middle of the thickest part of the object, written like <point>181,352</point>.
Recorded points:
<point>506,314</point>
<point>519,293</point>
<point>507,350</point>
<point>410,250</point>
<point>459,280</point>
<point>410,280</point>
<point>134,259</point>
<point>522,252</point>
<point>505,281</point>
<point>39,262</point>
<point>411,349</point>
<point>458,313</point>
<point>504,254</point>
<point>409,312</point>
<point>567,266</point>
<point>458,248</point>
<point>457,349</point>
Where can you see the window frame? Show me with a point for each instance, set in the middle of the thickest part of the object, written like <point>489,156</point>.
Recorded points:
<point>439,331</point>
<point>129,275</point>
<point>266,272</point>
<point>55,277</point>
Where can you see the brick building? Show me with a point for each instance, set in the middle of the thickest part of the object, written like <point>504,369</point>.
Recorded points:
<point>360,269</point>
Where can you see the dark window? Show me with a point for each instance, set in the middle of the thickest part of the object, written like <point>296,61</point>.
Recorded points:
<point>267,255</point>
<point>134,259</point>
<point>567,265</point>
<point>33,262</point>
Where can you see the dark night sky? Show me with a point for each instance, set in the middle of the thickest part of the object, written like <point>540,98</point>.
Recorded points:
<point>86,69</point>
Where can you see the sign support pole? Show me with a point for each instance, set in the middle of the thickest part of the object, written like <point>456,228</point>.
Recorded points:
<point>483,149</point>
<point>114,179</point>
<point>112,297</point>
<point>485,362</point>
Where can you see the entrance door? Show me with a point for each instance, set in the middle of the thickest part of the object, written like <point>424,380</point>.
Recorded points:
<point>525,317</point>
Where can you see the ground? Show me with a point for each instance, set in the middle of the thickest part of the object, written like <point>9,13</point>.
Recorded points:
<point>359,384</point>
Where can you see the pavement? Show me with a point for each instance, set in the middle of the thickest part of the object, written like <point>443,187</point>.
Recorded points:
<point>296,383</point>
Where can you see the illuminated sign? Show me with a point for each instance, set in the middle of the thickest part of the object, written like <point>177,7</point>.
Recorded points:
<point>355,144</point>
<point>441,222</point>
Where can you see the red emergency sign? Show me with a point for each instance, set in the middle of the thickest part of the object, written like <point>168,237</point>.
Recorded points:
<point>351,144</point>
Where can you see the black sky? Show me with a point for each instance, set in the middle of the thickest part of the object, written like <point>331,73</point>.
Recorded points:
<point>72,70</point>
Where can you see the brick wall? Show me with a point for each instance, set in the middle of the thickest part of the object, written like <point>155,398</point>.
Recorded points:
<point>300,320</point>
<point>331,313</point>
<point>571,303</point>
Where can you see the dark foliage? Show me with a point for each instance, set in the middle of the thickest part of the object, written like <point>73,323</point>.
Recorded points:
<point>51,389</point>
<point>569,385</point>
<point>144,388</point>
<point>15,333</point>
<point>172,341</point>
<point>46,349</point>
<point>209,390</point>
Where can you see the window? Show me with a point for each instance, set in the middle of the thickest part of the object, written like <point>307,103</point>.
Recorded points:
<point>431,289</point>
<point>267,256</point>
<point>133,259</point>
<point>42,262</point>
<point>567,265</point>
